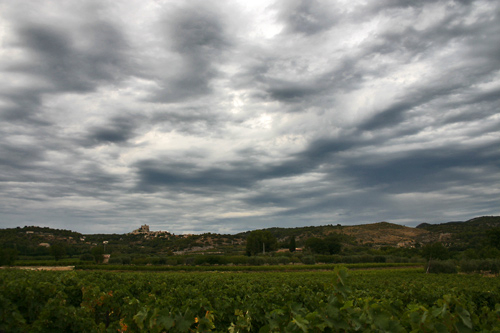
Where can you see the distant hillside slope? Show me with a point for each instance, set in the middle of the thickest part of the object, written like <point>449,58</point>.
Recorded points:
<point>484,222</point>
<point>469,234</point>
<point>461,235</point>
<point>373,234</point>
<point>385,234</point>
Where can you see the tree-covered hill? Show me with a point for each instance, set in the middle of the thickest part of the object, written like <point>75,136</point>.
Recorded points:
<point>459,236</point>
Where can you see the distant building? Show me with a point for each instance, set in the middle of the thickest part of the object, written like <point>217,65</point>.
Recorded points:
<point>144,229</point>
<point>105,259</point>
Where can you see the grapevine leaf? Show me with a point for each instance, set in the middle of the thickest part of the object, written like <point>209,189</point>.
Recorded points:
<point>140,317</point>
<point>465,316</point>
<point>301,322</point>
<point>165,322</point>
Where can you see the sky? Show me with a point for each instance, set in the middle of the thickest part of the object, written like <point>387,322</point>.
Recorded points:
<point>228,116</point>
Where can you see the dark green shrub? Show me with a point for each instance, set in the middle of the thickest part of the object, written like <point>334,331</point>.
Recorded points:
<point>189,260</point>
<point>402,259</point>
<point>126,260</point>
<point>283,260</point>
<point>352,259</point>
<point>140,261</point>
<point>326,259</point>
<point>237,260</point>
<point>155,261</point>
<point>469,266</point>
<point>7,256</point>
<point>439,266</point>
<point>87,257</point>
<point>308,260</point>
<point>210,260</point>
<point>480,266</point>
<point>366,258</point>
<point>171,262</point>
<point>491,266</point>
<point>271,261</point>
<point>115,261</point>
<point>295,260</point>
<point>336,258</point>
<point>256,261</point>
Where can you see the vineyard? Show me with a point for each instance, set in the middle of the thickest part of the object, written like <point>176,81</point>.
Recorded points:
<point>404,300</point>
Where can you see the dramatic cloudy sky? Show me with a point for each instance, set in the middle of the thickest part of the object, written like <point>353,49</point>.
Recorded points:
<point>226,116</point>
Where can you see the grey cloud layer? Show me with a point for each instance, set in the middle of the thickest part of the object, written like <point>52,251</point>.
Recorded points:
<point>190,115</point>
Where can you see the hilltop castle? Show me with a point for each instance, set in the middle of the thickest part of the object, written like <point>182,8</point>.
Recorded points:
<point>144,230</point>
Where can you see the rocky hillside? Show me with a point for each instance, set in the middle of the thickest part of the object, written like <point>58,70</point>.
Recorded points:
<point>385,234</point>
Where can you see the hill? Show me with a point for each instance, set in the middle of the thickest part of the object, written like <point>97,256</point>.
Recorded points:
<point>455,235</point>
<point>462,235</point>
<point>373,234</point>
<point>385,234</point>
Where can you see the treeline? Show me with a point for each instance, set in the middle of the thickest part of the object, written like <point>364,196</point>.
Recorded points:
<point>277,259</point>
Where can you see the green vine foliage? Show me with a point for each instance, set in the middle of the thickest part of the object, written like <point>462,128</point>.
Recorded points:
<point>404,300</point>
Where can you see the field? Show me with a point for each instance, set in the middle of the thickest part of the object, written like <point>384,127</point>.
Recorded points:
<point>402,300</point>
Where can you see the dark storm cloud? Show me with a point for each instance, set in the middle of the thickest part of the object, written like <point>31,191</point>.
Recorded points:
<point>193,120</point>
<point>291,198</point>
<point>308,16</point>
<point>118,130</point>
<point>156,175</point>
<point>291,91</point>
<point>57,58</point>
<point>484,105</point>
<point>176,176</point>
<point>323,148</point>
<point>388,5</point>
<point>453,30</point>
<point>304,89</point>
<point>19,156</point>
<point>22,107</point>
<point>475,61</point>
<point>196,34</point>
<point>270,199</point>
<point>61,59</point>
<point>179,176</point>
<point>420,170</point>
<point>426,170</point>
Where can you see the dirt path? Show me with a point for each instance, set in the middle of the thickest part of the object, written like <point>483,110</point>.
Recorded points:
<point>44,268</point>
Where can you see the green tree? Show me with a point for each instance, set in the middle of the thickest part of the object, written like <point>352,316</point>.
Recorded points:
<point>333,242</point>
<point>58,250</point>
<point>328,245</point>
<point>86,257</point>
<point>260,241</point>
<point>98,253</point>
<point>293,244</point>
<point>7,256</point>
<point>435,251</point>
<point>316,245</point>
<point>494,237</point>
<point>489,252</point>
